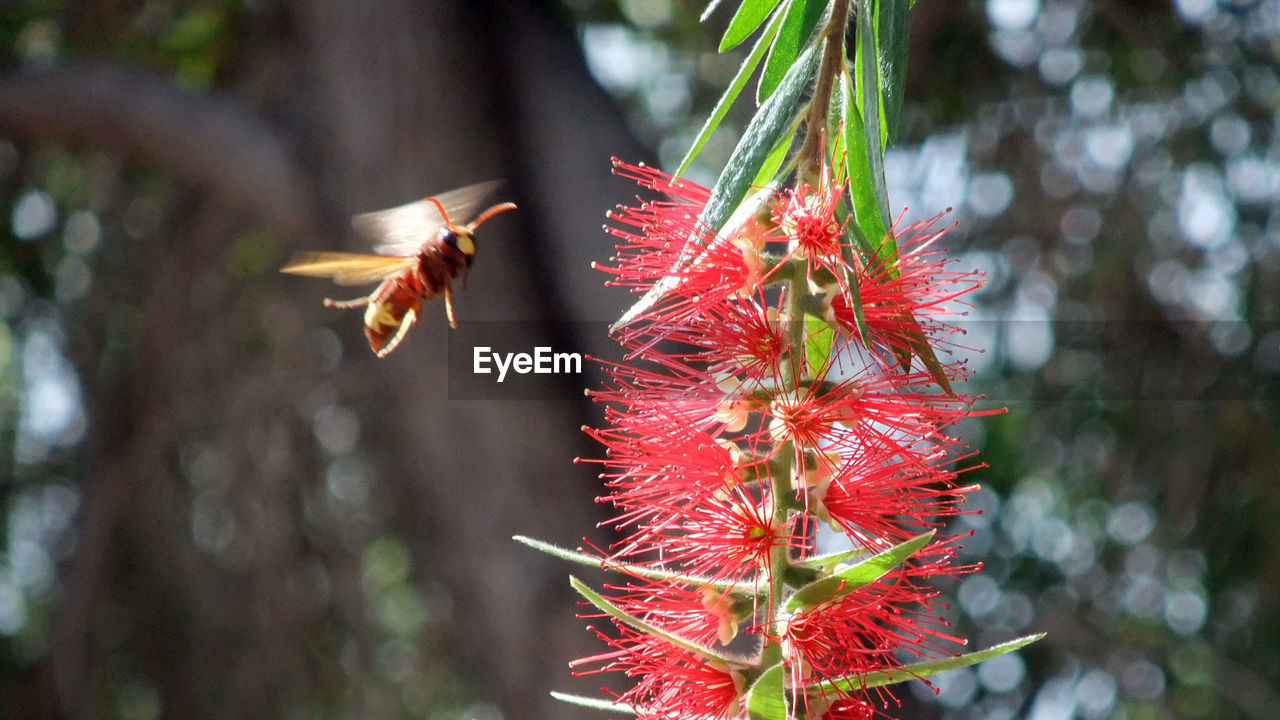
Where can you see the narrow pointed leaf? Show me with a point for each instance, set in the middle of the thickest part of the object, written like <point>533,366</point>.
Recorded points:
<point>920,345</point>
<point>862,187</point>
<point>817,344</point>
<point>760,137</point>
<point>852,288</point>
<point>857,576</point>
<point>835,119</point>
<point>868,95</point>
<point>830,560</point>
<point>618,613</point>
<point>801,18</point>
<point>776,157</point>
<point>750,14</point>
<point>581,558</point>
<point>593,703</point>
<point>891,39</point>
<point>854,294</point>
<point>919,670</point>
<point>767,699</point>
<point>731,93</point>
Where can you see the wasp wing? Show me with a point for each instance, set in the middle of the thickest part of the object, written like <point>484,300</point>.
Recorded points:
<point>346,268</point>
<point>403,230</point>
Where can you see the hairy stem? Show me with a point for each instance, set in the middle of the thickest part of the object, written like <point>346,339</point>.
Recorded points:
<point>810,162</point>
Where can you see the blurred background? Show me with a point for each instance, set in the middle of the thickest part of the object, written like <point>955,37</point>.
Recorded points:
<point>216,502</point>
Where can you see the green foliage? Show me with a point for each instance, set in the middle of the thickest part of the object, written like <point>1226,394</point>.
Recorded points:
<point>593,703</point>
<point>750,14</point>
<point>766,700</point>
<point>592,561</point>
<point>867,85</point>
<point>922,669</point>
<point>818,341</point>
<point>865,186</point>
<point>731,93</point>
<point>797,28</point>
<point>758,141</point>
<point>891,41</point>
<point>850,579</point>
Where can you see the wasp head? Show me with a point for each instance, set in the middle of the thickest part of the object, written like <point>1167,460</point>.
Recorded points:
<point>459,241</point>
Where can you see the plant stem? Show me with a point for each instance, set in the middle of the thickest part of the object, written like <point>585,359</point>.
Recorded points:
<point>809,167</point>
<point>810,162</point>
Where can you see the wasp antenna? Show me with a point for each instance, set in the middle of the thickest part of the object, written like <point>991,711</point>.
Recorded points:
<point>499,208</point>
<point>445,214</point>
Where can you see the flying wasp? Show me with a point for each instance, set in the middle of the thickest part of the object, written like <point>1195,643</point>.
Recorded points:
<point>421,248</point>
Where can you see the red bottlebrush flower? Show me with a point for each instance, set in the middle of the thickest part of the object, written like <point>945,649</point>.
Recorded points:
<point>744,340</point>
<point>726,538</point>
<point>670,680</point>
<point>908,304</point>
<point>701,614</point>
<point>726,442</point>
<point>658,464</point>
<point>849,708</point>
<point>875,406</point>
<point>806,218</point>
<point>878,498</point>
<point>667,248</point>
<point>871,629</point>
<point>684,394</point>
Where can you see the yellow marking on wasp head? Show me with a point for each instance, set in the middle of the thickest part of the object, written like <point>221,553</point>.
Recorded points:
<point>465,244</point>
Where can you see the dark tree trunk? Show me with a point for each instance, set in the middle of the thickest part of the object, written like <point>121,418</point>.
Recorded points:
<point>204,412</point>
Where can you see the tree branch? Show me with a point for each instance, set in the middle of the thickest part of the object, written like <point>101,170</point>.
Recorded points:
<point>207,140</point>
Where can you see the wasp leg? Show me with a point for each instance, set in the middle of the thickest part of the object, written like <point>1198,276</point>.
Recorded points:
<point>358,302</point>
<point>401,332</point>
<point>448,306</point>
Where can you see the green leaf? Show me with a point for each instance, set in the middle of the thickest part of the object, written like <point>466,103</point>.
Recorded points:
<point>920,345</point>
<point>868,87</point>
<point>862,186</point>
<point>778,155</point>
<point>760,137</point>
<point>731,93</point>
<point>817,344</point>
<point>767,699</point>
<point>593,703</point>
<point>581,558</point>
<point>835,153</point>
<point>618,613</point>
<point>854,294</point>
<point>858,576</point>
<point>853,289</point>
<point>891,39</point>
<point>750,14</point>
<point>918,670</point>
<point>801,18</point>
<point>830,560</point>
